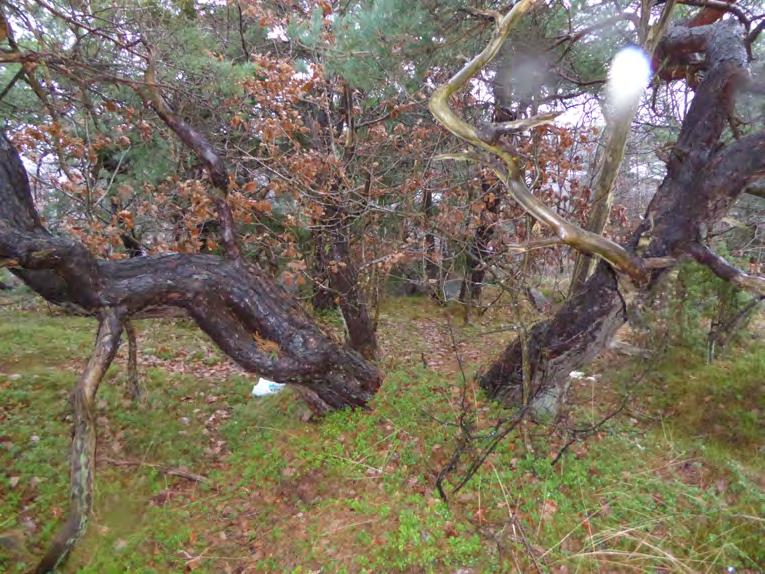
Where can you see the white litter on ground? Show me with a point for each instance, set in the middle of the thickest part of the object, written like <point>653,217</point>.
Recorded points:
<point>579,375</point>
<point>266,387</point>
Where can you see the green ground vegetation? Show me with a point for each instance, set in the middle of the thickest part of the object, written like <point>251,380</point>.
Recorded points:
<point>673,483</point>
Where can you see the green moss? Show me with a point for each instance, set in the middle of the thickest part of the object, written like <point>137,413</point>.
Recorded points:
<point>354,491</point>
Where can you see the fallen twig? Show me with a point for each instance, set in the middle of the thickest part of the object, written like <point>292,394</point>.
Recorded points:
<point>163,469</point>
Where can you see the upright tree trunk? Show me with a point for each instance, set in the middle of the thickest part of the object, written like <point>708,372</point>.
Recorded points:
<point>603,187</point>
<point>432,268</point>
<point>322,299</point>
<point>479,250</point>
<point>608,163</point>
<point>336,272</point>
<point>338,265</point>
<point>702,181</point>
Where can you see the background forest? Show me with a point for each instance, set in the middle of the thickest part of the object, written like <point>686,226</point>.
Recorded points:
<point>518,312</point>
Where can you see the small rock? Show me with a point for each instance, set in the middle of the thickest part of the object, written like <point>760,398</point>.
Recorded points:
<point>29,524</point>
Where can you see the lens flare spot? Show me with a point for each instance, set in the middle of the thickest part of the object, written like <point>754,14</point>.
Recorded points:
<point>628,76</point>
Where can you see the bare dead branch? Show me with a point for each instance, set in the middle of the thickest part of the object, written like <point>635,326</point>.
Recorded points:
<point>725,270</point>
<point>568,233</point>
<point>492,132</point>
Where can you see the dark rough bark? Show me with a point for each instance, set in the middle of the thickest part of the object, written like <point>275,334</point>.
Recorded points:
<point>233,302</point>
<point>703,180</point>
<point>338,266</point>
<point>577,333</point>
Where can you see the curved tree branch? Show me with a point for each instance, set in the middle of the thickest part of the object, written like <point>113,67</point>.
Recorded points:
<point>234,303</point>
<point>204,150</point>
<point>567,233</point>
<point>725,270</point>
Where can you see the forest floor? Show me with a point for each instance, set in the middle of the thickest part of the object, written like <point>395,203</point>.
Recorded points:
<point>206,478</point>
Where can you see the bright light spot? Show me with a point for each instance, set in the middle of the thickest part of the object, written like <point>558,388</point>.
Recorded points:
<point>629,75</point>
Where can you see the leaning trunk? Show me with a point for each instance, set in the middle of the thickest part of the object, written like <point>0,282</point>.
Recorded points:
<point>702,182</point>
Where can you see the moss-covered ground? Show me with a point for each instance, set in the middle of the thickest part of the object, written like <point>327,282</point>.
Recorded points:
<point>674,483</point>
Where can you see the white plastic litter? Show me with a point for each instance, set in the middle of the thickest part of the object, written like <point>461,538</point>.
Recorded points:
<point>576,375</point>
<point>266,387</point>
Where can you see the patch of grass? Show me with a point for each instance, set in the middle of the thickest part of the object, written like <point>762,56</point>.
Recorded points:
<point>33,339</point>
<point>721,404</point>
<point>678,488</point>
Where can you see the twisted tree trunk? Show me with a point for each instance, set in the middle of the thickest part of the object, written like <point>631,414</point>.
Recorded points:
<point>702,182</point>
<point>232,301</point>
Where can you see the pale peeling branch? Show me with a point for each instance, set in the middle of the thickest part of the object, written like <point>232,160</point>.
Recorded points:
<point>610,160</point>
<point>566,232</point>
<point>491,132</point>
